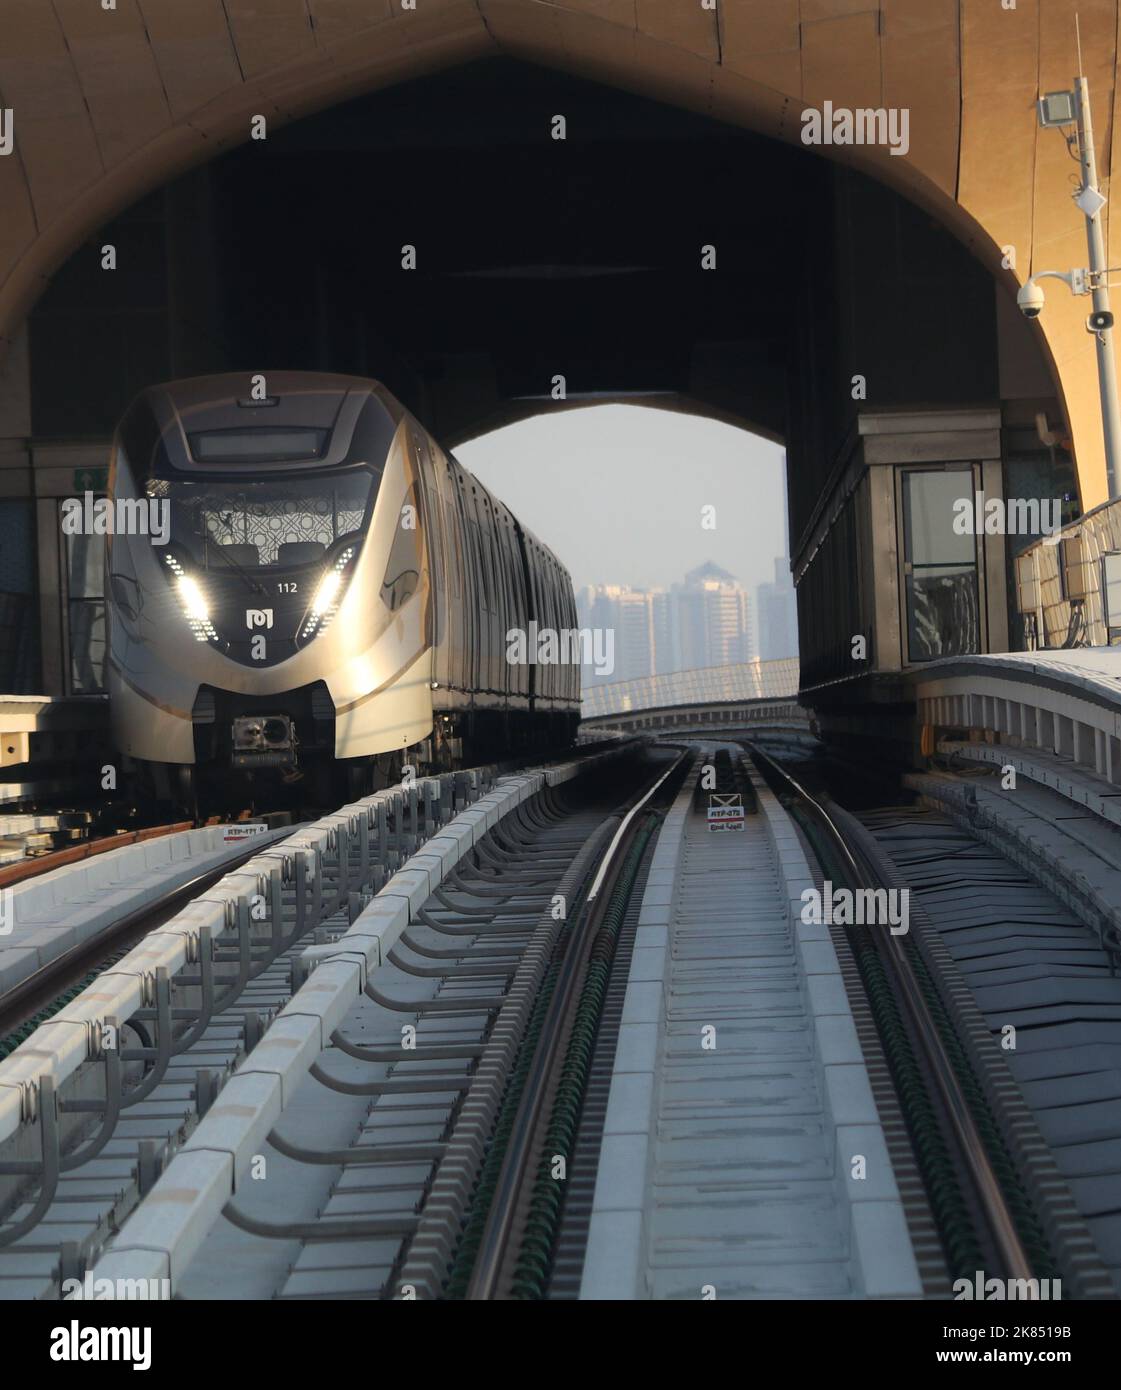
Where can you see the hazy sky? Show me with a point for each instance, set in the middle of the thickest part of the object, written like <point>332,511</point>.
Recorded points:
<point>618,490</point>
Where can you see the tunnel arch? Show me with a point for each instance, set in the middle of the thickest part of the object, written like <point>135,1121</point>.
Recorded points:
<point>137,97</point>
<point>519,411</point>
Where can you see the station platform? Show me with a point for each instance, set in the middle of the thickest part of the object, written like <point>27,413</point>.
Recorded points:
<point>1067,704</point>
<point>1092,673</point>
<point>728,1155</point>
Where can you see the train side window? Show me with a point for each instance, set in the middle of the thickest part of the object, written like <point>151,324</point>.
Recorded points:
<point>487,523</point>
<point>513,571</point>
<point>551,588</point>
<point>451,521</point>
<point>481,567</point>
<point>478,566</point>
<point>469,608</point>
<point>522,608</point>
<point>498,558</point>
<point>538,586</point>
<point>455,548</point>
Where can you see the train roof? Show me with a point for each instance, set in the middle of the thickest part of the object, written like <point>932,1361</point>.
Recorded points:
<point>180,413</point>
<point>242,420</point>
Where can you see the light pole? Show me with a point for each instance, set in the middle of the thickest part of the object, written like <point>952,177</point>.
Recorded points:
<point>1092,203</point>
<point>1057,109</point>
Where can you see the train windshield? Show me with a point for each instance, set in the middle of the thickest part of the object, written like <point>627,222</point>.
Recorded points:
<point>269,522</point>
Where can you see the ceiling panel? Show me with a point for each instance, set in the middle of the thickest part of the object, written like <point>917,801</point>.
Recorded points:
<point>335,19</point>
<point>922,72</point>
<point>755,27</point>
<point>118,73</point>
<point>194,50</point>
<point>688,27</point>
<point>268,33</point>
<point>841,61</point>
<point>53,130</point>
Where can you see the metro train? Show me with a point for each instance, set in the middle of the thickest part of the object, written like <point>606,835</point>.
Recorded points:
<point>324,594</point>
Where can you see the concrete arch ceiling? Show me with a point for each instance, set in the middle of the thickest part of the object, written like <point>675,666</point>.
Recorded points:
<point>109,103</point>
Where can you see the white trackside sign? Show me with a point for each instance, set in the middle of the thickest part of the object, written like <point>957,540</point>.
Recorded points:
<point>725,811</point>
<point>243,830</point>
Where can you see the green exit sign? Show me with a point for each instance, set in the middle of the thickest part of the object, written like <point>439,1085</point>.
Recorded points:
<point>91,479</point>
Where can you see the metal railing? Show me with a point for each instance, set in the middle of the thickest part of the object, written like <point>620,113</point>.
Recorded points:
<point>747,680</point>
<point>1068,586</point>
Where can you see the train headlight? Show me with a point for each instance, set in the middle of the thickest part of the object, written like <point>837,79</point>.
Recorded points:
<point>192,600</point>
<point>190,596</point>
<point>327,595</point>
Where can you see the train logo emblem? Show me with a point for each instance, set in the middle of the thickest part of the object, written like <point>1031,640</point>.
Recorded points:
<point>258,617</point>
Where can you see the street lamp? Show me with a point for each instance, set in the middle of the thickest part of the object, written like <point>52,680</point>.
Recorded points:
<point>1056,111</point>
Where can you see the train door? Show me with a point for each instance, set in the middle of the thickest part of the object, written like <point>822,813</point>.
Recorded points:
<point>498,588</point>
<point>471,604</point>
<point>533,610</point>
<point>479,528</point>
<point>571,621</point>
<point>457,608</point>
<point>431,520</point>
<point>545,674</point>
<point>516,676</point>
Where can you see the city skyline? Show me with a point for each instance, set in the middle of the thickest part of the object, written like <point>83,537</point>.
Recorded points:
<point>594,484</point>
<point>706,619</point>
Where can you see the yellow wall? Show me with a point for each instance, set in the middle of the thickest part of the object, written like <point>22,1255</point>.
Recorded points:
<point>111,103</point>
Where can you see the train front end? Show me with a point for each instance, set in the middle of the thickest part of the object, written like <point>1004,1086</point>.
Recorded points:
<point>270,614</point>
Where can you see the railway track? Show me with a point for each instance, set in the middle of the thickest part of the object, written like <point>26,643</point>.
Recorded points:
<point>437,1184</point>
<point>112,1120</point>
<point>389,1082</point>
<point>117,1077</point>
<point>514,1257</point>
<point>33,1000</point>
<point>966,1160</point>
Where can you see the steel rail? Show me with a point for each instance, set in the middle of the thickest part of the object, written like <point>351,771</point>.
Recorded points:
<point>979,1170</point>
<point>23,869</point>
<point>37,991</point>
<point>611,858</point>
<point>498,1247</point>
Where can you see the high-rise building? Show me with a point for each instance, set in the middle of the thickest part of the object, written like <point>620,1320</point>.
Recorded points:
<point>661,618</point>
<point>777,608</point>
<point>638,620</point>
<point>704,621</point>
<point>711,619</point>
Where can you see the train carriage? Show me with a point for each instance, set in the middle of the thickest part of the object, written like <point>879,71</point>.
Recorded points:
<point>327,593</point>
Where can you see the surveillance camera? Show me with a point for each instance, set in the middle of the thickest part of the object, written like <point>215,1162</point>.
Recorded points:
<point>1030,300</point>
<point>1099,321</point>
